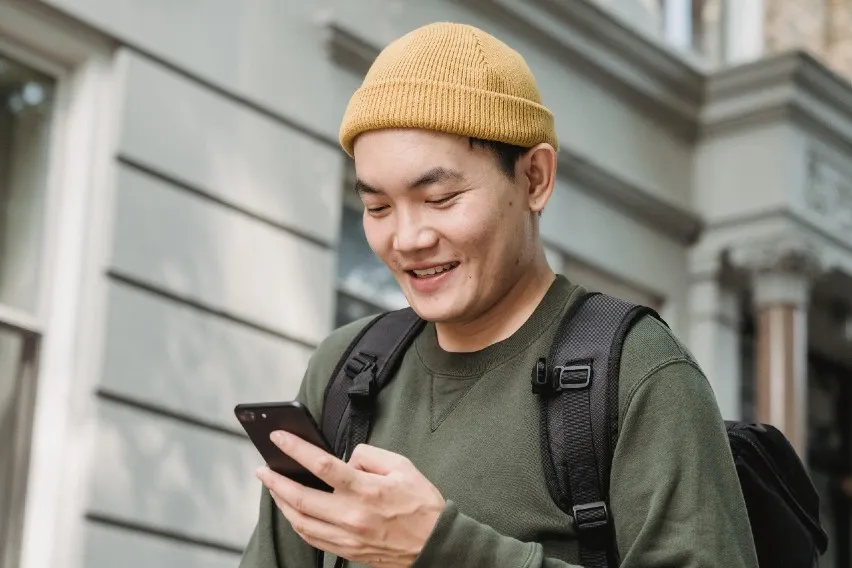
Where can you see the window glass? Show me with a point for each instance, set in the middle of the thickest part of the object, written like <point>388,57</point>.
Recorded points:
<point>365,285</point>
<point>26,105</point>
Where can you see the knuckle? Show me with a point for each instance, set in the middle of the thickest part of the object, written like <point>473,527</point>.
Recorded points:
<point>357,522</point>
<point>372,492</point>
<point>299,501</point>
<point>299,526</point>
<point>325,466</point>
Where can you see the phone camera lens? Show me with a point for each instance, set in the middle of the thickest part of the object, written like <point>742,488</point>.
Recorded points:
<point>247,416</point>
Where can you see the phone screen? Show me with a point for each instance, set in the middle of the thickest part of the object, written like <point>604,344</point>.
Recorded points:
<point>259,420</point>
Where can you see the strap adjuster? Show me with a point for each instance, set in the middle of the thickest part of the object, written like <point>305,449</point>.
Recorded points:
<point>569,377</point>
<point>358,362</point>
<point>591,516</point>
<point>362,369</point>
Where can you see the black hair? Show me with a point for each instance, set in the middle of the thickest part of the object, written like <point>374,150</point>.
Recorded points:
<point>507,155</point>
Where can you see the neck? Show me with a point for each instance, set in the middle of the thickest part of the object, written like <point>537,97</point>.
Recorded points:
<point>502,319</point>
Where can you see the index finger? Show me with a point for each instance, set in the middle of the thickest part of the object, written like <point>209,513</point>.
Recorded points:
<point>335,472</point>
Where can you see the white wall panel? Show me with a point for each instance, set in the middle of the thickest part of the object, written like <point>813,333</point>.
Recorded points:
<point>163,474</point>
<point>177,358</point>
<point>113,548</point>
<point>228,150</point>
<point>608,239</point>
<point>186,245</point>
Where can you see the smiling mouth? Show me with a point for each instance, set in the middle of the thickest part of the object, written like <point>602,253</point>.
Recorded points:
<point>434,271</point>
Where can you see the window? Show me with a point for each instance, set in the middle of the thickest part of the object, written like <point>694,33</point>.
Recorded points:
<point>365,286</point>
<point>26,108</point>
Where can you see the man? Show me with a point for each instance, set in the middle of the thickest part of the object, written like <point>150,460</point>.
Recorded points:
<point>456,159</point>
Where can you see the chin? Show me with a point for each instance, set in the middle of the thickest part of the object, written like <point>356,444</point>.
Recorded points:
<point>435,312</point>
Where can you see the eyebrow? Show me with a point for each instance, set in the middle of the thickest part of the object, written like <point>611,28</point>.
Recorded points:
<point>436,175</point>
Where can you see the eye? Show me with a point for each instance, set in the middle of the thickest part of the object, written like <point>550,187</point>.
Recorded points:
<point>377,209</point>
<point>443,199</point>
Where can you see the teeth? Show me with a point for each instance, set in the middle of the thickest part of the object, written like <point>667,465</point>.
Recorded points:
<point>435,270</point>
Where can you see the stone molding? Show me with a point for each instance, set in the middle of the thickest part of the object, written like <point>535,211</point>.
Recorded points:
<point>784,254</point>
<point>828,192</point>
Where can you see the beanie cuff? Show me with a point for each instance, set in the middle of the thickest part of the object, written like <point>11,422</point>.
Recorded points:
<point>450,108</point>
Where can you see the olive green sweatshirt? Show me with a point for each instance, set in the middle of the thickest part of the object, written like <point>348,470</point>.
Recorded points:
<point>470,423</point>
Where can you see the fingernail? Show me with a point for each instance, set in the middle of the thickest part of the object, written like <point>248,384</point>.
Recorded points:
<point>277,437</point>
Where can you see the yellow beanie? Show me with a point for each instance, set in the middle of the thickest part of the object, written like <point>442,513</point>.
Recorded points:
<point>452,78</point>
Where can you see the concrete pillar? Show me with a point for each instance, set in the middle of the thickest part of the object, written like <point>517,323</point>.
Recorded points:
<point>714,332</point>
<point>782,274</point>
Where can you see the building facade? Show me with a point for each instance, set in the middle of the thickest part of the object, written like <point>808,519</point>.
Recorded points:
<point>177,234</point>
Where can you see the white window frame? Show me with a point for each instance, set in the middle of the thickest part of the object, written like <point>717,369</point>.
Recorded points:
<point>60,406</point>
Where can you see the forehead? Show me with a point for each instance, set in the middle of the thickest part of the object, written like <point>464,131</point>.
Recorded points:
<point>397,154</point>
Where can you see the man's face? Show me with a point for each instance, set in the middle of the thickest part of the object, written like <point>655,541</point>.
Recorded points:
<point>454,229</point>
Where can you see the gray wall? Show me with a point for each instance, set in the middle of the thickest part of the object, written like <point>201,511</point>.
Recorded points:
<point>227,195</point>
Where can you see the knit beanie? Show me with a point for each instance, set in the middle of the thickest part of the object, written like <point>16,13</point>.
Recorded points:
<point>452,78</point>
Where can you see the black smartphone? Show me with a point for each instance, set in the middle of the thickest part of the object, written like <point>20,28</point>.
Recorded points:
<point>259,420</point>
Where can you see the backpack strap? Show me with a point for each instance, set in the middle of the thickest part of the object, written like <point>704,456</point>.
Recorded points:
<point>367,365</point>
<point>578,388</point>
<point>364,369</point>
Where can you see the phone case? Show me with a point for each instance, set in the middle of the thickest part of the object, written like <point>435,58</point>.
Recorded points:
<point>259,420</point>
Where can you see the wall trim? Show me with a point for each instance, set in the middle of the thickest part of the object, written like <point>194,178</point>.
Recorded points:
<point>639,204</point>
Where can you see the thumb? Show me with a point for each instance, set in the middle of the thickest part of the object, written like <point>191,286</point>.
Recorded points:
<point>376,460</point>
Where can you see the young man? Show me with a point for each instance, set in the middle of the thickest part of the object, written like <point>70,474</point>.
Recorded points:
<point>456,160</point>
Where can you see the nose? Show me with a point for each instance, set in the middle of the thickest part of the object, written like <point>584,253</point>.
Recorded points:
<point>413,235</point>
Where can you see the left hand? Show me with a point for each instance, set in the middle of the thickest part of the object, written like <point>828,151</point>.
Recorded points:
<point>382,510</point>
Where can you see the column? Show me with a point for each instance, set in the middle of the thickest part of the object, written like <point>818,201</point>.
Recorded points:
<point>714,329</point>
<point>782,274</point>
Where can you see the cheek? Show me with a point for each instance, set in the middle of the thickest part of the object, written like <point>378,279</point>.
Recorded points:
<point>486,232</point>
<point>378,236</point>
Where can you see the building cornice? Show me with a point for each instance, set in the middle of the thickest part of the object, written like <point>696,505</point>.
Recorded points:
<point>791,86</point>
<point>348,49</point>
<point>635,202</point>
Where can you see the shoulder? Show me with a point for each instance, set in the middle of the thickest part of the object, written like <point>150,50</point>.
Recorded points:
<point>324,361</point>
<point>654,358</point>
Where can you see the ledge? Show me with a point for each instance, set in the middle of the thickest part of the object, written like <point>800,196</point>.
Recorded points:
<point>791,86</point>
<point>348,49</point>
<point>635,202</point>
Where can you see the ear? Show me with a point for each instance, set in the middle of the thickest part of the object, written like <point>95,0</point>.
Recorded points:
<point>539,170</point>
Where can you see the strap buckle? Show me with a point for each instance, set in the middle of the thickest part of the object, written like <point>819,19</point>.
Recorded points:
<point>570,377</point>
<point>362,369</point>
<point>563,377</point>
<point>591,516</point>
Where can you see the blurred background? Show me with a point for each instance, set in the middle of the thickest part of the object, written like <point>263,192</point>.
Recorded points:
<point>177,232</point>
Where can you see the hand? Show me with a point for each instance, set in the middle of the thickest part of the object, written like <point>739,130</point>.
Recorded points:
<point>382,510</point>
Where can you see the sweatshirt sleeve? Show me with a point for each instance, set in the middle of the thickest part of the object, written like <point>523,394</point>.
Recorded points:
<point>458,540</point>
<point>675,496</point>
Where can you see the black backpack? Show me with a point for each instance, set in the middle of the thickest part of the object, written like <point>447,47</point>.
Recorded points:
<point>577,385</point>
